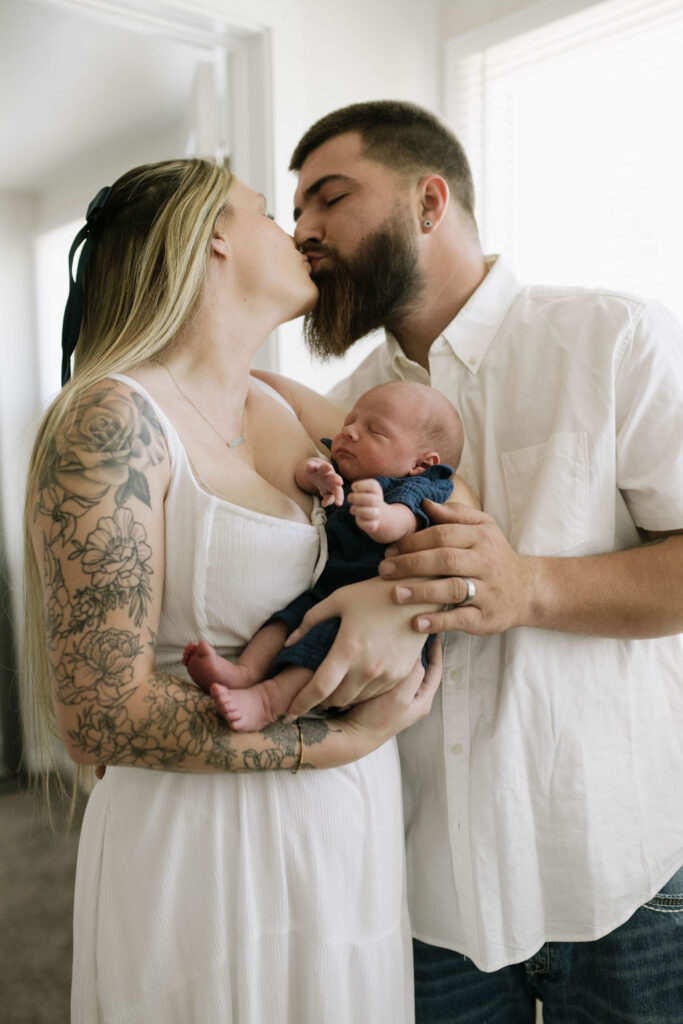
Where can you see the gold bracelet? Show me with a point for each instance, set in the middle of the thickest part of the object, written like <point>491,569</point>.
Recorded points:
<point>301,748</point>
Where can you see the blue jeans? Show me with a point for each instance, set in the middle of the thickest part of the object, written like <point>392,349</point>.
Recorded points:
<point>634,975</point>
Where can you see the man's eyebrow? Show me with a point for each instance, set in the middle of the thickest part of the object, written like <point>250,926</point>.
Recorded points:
<point>317,185</point>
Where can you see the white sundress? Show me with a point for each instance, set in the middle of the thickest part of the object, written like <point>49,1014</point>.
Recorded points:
<point>260,898</point>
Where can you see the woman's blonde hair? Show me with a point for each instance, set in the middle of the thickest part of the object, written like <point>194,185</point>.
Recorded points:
<point>145,274</point>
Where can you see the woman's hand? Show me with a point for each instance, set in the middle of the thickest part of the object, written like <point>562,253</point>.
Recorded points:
<point>406,703</point>
<point>375,647</point>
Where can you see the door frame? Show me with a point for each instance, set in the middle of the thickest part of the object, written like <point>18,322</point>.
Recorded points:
<point>244,41</point>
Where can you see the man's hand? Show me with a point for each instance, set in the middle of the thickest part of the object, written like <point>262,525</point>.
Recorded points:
<point>636,593</point>
<point>464,543</point>
<point>366,501</point>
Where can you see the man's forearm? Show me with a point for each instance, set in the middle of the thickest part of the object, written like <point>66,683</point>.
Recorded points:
<point>626,594</point>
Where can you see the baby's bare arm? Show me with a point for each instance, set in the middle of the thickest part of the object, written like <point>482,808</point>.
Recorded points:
<point>318,476</point>
<point>383,522</point>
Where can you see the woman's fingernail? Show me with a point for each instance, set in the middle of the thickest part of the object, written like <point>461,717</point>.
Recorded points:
<point>292,638</point>
<point>288,719</point>
<point>423,625</point>
<point>386,568</point>
<point>403,593</point>
<point>390,552</point>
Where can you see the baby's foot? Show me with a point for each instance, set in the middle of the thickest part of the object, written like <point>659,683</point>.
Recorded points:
<point>244,710</point>
<point>207,667</point>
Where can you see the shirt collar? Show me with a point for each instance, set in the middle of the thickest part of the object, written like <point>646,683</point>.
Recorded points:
<point>474,327</point>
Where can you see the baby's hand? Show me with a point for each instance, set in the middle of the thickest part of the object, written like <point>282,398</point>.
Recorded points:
<point>326,482</point>
<point>366,500</point>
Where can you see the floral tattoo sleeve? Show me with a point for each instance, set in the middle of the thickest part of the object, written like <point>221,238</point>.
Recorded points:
<point>99,459</point>
<point>97,519</point>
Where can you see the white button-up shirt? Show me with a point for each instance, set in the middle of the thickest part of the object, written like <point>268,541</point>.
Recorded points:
<point>544,792</point>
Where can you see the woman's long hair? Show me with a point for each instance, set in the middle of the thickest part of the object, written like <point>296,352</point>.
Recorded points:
<point>142,282</point>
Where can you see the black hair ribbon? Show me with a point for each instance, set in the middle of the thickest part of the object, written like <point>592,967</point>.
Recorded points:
<point>73,311</point>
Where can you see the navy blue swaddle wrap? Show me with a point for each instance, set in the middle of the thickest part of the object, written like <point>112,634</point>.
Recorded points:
<point>353,556</point>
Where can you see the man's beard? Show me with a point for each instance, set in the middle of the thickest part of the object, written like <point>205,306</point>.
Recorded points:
<point>359,294</point>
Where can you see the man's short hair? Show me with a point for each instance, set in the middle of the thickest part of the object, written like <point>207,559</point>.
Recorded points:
<point>400,135</point>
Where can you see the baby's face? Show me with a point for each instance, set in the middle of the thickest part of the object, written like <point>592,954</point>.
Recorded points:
<point>378,438</point>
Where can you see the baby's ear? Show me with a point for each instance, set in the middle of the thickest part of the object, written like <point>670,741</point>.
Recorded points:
<point>424,462</point>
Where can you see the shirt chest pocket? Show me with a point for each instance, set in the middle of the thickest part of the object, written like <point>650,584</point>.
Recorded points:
<point>547,495</point>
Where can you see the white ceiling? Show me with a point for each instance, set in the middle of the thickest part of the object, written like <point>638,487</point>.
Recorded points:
<point>71,82</point>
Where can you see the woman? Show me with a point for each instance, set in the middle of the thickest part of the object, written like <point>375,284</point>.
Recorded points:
<point>224,885</point>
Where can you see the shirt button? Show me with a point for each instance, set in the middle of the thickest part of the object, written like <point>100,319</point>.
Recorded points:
<point>456,748</point>
<point>472,361</point>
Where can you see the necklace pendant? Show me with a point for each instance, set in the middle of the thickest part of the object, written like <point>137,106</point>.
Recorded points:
<point>236,443</point>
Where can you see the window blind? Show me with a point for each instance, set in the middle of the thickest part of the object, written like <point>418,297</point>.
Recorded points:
<point>574,130</point>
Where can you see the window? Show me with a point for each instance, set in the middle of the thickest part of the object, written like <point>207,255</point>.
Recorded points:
<point>573,130</point>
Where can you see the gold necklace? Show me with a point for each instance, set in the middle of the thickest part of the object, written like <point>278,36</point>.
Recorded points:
<point>236,442</point>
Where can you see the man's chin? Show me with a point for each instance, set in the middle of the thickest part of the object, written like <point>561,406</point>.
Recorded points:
<point>321,274</point>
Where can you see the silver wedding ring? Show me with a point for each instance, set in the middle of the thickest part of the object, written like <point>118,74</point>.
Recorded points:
<point>471,593</point>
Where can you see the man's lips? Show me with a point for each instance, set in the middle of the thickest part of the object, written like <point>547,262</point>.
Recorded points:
<point>314,258</point>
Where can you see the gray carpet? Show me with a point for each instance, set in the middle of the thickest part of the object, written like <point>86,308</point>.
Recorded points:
<point>36,898</point>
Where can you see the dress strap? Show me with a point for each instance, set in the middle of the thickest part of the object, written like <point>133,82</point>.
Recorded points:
<point>319,519</point>
<point>273,392</point>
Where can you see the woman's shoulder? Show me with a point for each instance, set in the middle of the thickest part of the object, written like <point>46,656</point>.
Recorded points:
<point>319,416</point>
<point>109,438</point>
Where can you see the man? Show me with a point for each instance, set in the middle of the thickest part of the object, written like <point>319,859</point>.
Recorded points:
<point>543,792</point>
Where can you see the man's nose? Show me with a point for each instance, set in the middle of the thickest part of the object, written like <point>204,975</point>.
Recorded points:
<point>307,230</point>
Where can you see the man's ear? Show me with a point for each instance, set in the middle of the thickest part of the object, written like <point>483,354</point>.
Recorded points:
<point>424,462</point>
<point>433,195</point>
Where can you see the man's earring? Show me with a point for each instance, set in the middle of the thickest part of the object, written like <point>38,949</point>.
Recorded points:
<point>427,224</point>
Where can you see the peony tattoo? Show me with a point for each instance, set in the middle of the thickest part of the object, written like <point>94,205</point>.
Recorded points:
<point>116,555</point>
<point>99,667</point>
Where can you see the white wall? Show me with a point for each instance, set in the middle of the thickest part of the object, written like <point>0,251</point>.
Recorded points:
<point>64,201</point>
